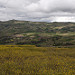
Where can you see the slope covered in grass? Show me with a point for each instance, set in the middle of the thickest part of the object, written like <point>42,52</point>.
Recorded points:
<point>32,60</point>
<point>41,34</point>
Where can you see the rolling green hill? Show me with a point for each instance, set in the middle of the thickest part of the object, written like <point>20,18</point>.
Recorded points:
<point>37,33</point>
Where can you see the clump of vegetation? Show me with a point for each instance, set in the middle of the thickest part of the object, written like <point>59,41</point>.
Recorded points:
<point>32,60</point>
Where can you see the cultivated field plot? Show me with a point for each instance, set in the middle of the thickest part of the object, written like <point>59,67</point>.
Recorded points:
<point>32,60</point>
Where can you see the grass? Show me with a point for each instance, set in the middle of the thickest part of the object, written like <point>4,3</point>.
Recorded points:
<point>32,60</point>
<point>49,34</point>
<point>66,34</point>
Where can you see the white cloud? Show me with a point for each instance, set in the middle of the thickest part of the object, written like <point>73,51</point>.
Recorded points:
<point>38,10</point>
<point>64,19</point>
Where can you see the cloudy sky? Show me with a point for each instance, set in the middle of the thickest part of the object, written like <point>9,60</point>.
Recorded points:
<point>38,10</point>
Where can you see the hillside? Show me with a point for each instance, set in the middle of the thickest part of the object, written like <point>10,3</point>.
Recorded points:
<point>32,60</point>
<point>37,33</point>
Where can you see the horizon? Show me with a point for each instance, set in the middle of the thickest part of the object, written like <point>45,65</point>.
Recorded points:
<point>34,21</point>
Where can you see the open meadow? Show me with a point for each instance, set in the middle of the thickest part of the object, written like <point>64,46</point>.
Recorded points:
<point>32,60</point>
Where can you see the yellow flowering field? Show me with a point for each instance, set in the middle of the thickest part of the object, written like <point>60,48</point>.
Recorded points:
<point>32,60</point>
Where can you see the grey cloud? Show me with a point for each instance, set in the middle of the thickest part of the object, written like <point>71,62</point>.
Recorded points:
<point>38,10</point>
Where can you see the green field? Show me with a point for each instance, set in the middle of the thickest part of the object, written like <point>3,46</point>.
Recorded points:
<point>32,60</point>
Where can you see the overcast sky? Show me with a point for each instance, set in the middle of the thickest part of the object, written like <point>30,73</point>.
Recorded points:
<point>38,10</point>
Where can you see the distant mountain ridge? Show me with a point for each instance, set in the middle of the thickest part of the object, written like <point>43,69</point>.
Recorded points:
<point>13,31</point>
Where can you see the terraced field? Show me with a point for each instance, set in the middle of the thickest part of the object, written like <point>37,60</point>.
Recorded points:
<point>32,60</point>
